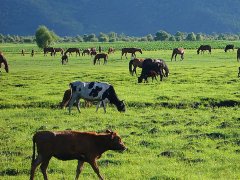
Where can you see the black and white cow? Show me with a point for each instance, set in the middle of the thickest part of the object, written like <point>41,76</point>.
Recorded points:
<point>94,91</point>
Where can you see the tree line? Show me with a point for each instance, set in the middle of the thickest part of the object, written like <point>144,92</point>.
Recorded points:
<point>113,37</point>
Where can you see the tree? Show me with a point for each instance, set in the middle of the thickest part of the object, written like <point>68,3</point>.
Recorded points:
<point>191,37</point>
<point>103,37</point>
<point>44,37</point>
<point>162,36</point>
<point>199,37</point>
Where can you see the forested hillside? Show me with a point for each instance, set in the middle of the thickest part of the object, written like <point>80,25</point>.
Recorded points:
<point>132,17</point>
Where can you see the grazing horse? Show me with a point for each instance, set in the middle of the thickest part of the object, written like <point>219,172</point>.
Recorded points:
<point>70,50</point>
<point>58,50</point>
<point>99,56</point>
<point>111,50</point>
<point>229,46</point>
<point>152,65</point>
<point>3,60</point>
<point>48,49</point>
<point>23,52</point>
<point>203,48</point>
<point>238,54</point>
<point>64,59</point>
<point>32,53</point>
<point>152,74</point>
<point>86,51</point>
<point>177,51</point>
<point>135,63</point>
<point>130,50</point>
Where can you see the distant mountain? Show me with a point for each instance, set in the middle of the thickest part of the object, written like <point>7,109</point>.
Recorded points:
<point>131,17</point>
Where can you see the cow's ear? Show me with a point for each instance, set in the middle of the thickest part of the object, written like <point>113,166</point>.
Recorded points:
<point>108,131</point>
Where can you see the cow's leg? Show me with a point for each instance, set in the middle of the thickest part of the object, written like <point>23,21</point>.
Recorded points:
<point>104,106</point>
<point>34,165</point>
<point>73,98</point>
<point>96,169</point>
<point>78,104</point>
<point>79,169</point>
<point>98,105</point>
<point>44,166</point>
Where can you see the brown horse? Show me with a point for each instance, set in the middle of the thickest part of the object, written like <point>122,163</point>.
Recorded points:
<point>229,46</point>
<point>58,50</point>
<point>177,51</point>
<point>4,61</point>
<point>130,50</point>
<point>23,52</point>
<point>135,63</point>
<point>64,59</point>
<point>99,56</point>
<point>32,53</point>
<point>203,48</point>
<point>238,54</point>
<point>70,50</point>
<point>111,50</point>
<point>48,49</point>
<point>86,51</point>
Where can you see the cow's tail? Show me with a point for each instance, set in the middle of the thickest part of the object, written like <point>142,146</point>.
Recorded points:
<point>34,144</point>
<point>130,66</point>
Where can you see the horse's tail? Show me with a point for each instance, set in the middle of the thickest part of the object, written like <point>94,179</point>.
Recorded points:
<point>130,67</point>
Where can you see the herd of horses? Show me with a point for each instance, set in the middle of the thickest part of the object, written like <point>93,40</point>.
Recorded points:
<point>150,67</point>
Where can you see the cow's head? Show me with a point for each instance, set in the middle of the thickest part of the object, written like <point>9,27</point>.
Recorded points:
<point>115,141</point>
<point>121,106</point>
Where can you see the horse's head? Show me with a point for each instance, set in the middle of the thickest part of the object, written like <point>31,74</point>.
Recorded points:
<point>140,50</point>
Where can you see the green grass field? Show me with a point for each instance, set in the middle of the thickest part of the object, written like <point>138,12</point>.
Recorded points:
<point>185,127</point>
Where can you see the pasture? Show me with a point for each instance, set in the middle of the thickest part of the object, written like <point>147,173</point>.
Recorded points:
<point>185,127</point>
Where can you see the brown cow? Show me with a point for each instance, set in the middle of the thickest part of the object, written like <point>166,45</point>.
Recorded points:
<point>70,145</point>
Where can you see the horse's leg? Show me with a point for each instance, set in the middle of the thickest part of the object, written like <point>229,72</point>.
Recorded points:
<point>134,70</point>
<point>175,56</point>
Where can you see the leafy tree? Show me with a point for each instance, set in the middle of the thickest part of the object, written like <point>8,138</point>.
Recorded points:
<point>44,37</point>
<point>103,37</point>
<point>150,37</point>
<point>191,37</point>
<point>199,37</point>
<point>179,36</point>
<point>172,38</point>
<point>162,36</point>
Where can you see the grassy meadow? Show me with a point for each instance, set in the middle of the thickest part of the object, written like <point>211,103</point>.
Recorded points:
<point>185,127</point>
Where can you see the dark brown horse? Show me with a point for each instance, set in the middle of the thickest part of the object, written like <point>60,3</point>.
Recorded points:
<point>157,65</point>
<point>177,51</point>
<point>32,53</point>
<point>64,59</point>
<point>70,50</point>
<point>203,48</point>
<point>3,60</point>
<point>111,50</point>
<point>135,63</point>
<point>238,54</point>
<point>23,52</point>
<point>229,46</point>
<point>130,50</point>
<point>99,56</point>
<point>86,51</point>
<point>61,50</point>
<point>47,50</point>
